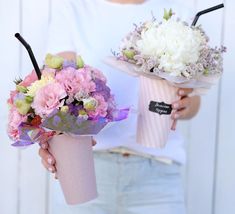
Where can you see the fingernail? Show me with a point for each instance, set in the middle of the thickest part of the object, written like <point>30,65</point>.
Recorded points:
<point>50,169</point>
<point>175,105</point>
<point>181,92</point>
<point>44,146</point>
<point>176,116</point>
<point>49,160</point>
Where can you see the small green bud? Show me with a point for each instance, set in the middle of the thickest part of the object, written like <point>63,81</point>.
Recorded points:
<point>21,88</point>
<point>167,14</point>
<point>90,104</point>
<point>64,109</point>
<point>206,71</point>
<point>55,62</point>
<point>22,106</point>
<point>82,112</point>
<point>79,62</point>
<point>29,99</point>
<point>129,53</point>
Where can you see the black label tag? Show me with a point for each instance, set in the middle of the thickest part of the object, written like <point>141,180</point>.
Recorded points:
<point>160,108</point>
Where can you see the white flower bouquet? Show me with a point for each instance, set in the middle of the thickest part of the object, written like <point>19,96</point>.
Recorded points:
<point>166,55</point>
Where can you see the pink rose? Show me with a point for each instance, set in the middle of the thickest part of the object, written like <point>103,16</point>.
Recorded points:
<point>48,98</point>
<point>28,80</point>
<point>101,109</point>
<point>75,81</point>
<point>15,119</point>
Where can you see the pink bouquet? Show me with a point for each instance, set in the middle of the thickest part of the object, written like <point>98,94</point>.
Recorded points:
<point>70,97</point>
<point>68,104</point>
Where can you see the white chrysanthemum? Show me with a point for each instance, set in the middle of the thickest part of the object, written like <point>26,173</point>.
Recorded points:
<point>173,44</point>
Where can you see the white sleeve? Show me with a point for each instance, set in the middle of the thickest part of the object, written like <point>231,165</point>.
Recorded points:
<point>60,37</point>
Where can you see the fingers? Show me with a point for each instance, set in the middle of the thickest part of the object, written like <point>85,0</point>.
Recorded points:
<point>44,145</point>
<point>93,142</point>
<point>173,126</point>
<point>184,91</point>
<point>49,167</point>
<point>180,115</point>
<point>181,104</point>
<point>46,156</point>
<point>47,160</point>
<point>181,108</point>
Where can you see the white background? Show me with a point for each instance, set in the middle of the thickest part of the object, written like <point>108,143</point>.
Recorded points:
<point>210,172</point>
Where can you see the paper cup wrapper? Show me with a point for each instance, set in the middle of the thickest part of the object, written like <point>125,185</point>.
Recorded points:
<point>75,167</point>
<point>154,120</point>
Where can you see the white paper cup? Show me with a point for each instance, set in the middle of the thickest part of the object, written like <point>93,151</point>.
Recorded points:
<point>154,121</point>
<point>75,167</point>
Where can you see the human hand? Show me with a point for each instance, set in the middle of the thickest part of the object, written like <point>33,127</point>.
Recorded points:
<point>47,159</point>
<point>185,108</point>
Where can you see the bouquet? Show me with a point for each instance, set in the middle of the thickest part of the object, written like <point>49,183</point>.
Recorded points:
<point>166,55</point>
<point>65,103</point>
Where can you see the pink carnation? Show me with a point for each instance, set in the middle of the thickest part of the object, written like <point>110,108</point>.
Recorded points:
<point>95,73</point>
<point>85,80</point>
<point>48,99</point>
<point>32,77</point>
<point>101,109</point>
<point>15,119</point>
<point>49,72</point>
<point>75,81</point>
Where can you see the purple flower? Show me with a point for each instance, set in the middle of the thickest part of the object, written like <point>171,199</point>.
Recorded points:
<point>68,63</point>
<point>73,109</point>
<point>102,89</point>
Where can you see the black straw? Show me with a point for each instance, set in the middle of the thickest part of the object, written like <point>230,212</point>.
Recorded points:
<point>206,11</point>
<point>27,46</point>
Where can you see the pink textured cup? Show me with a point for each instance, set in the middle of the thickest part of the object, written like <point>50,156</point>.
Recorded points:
<point>154,121</point>
<point>75,167</point>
